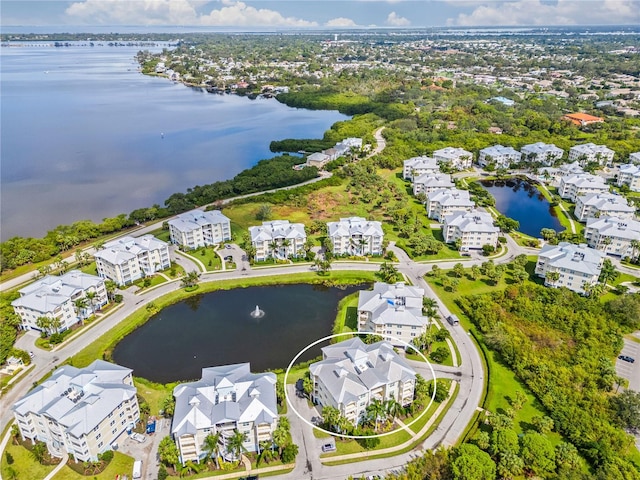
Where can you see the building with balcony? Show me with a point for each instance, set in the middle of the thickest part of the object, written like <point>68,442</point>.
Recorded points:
<point>590,152</point>
<point>127,259</point>
<point>79,411</point>
<point>428,183</point>
<point>472,229</point>
<point>629,175</point>
<point>356,236</point>
<point>351,375</point>
<point>278,239</point>
<point>442,203</point>
<point>197,229</point>
<point>634,158</point>
<point>614,236</point>
<point>456,158</point>
<point>394,312</point>
<point>57,297</point>
<point>418,166</point>
<point>576,266</point>
<point>574,186</point>
<point>499,156</point>
<point>227,399</point>
<point>544,153</point>
<point>603,204</point>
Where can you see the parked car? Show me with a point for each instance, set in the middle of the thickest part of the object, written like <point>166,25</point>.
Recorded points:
<point>626,358</point>
<point>328,447</point>
<point>31,354</point>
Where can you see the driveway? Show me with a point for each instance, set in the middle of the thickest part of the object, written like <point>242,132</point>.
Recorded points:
<point>630,371</point>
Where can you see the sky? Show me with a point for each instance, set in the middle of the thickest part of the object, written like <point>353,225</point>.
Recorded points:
<point>315,14</point>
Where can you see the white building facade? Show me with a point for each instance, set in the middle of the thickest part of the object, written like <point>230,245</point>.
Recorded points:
<point>81,412</point>
<point>603,204</point>
<point>394,312</point>
<point>457,158</point>
<point>127,259</point>
<point>590,152</point>
<point>197,229</point>
<point>500,156</point>
<point>226,399</point>
<point>577,265</point>
<point>351,375</point>
<point>356,236</point>
<point>634,157</point>
<point>428,183</point>
<point>442,203</point>
<point>473,229</point>
<point>629,175</point>
<point>614,236</point>
<point>544,153</point>
<point>418,166</point>
<point>574,186</point>
<point>278,239</point>
<point>55,298</point>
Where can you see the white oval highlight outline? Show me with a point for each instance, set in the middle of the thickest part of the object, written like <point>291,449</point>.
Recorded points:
<point>356,437</point>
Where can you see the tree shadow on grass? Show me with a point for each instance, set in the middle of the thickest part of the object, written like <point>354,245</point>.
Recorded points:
<point>351,320</point>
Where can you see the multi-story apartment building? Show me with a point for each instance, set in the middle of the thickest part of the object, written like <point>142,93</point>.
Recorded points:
<point>428,183</point>
<point>80,411</point>
<point>614,235</point>
<point>356,236</point>
<point>394,312</point>
<point>473,229</point>
<point>418,166</point>
<point>576,265</point>
<point>629,175</point>
<point>544,153</point>
<point>127,259</point>
<point>590,152</point>
<point>457,158</point>
<point>278,239</point>
<point>603,204</point>
<point>447,202</point>
<point>500,156</point>
<point>226,399</point>
<point>634,157</point>
<point>351,375</point>
<point>197,229</point>
<point>56,297</point>
<point>574,186</point>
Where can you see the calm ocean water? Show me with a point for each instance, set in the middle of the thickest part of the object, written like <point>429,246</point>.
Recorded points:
<point>81,136</point>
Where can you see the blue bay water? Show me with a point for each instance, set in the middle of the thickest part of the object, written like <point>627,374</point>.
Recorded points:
<point>81,135</point>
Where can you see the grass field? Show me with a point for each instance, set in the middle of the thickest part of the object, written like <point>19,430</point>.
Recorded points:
<point>23,464</point>
<point>120,465</point>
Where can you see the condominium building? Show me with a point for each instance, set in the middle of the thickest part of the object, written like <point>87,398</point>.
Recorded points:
<point>574,186</point>
<point>356,236</point>
<point>457,158</point>
<point>576,265</point>
<point>614,235</point>
<point>629,175</point>
<point>473,229</point>
<point>127,259</point>
<point>500,156</point>
<point>590,152</point>
<point>544,153</point>
<point>603,204</point>
<point>80,411</point>
<point>418,166</point>
<point>634,157</point>
<point>447,202</point>
<point>428,183</point>
<point>394,312</point>
<point>57,299</point>
<point>278,239</point>
<point>351,375</point>
<point>197,229</point>
<point>227,399</point>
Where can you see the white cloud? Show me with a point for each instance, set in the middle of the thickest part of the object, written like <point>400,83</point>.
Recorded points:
<point>340,22</point>
<point>179,12</point>
<point>541,12</point>
<point>397,21</point>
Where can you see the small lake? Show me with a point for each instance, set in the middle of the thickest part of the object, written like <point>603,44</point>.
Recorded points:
<point>521,200</point>
<point>217,329</point>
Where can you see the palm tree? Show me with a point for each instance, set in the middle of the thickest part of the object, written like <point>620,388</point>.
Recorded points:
<point>608,272</point>
<point>15,433</point>
<point>376,411</point>
<point>393,408</point>
<point>330,417</point>
<point>38,451</point>
<point>552,278</point>
<point>635,246</point>
<point>91,296</point>
<point>80,304</point>
<point>110,286</point>
<point>235,444</point>
<point>211,446</point>
<point>284,246</point>
<point>45,324</point>
<point>191,279</point>
<point>273,246</point>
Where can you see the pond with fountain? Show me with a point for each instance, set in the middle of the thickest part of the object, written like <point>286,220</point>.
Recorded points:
<point>520,199</point>
<point>265,325</point>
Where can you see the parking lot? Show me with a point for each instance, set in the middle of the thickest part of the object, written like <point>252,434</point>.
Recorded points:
<point>628,370</point>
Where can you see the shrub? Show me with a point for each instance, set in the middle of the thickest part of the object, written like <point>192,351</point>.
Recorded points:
<point>56,338</point>
<point>440,354</point>
<point>9,458</point>
<point>118,298</point>
<point>107,456</point>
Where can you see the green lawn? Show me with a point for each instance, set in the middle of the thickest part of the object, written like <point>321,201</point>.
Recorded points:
<point>209,257</point>
<point>154,279</point>
<point>347,317</point>
<point>23,464</point>
<point>120,465</point>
